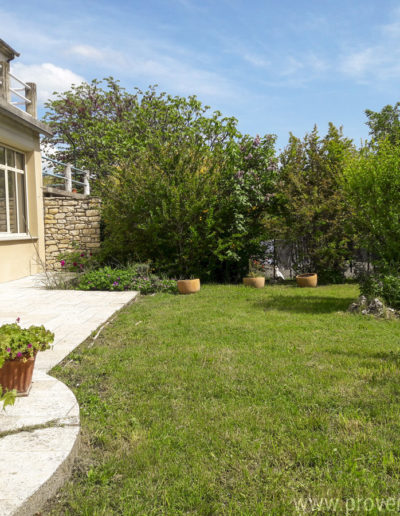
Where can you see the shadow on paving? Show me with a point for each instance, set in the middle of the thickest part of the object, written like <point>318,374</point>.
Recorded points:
<point>305,304</point>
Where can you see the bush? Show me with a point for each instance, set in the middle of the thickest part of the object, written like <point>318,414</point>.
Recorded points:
<point>370,285</point>
<point>372,181</point>
<point>314,218</point>
<point>135,277</point>
<point>384,286</point>
<point>77,261</point>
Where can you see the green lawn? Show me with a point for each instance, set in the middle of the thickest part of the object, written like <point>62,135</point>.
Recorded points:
<point>236,401</point>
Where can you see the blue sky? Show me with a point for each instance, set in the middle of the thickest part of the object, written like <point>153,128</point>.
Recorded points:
<point>276,66</point>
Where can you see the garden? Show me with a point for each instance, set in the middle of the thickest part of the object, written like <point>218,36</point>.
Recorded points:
<point>233,400</point>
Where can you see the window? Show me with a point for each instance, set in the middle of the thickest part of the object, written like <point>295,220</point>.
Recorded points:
<point>12,192</point>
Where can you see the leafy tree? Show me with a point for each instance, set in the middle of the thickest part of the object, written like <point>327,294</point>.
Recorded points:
<point>99,126</point>
<point>385,123</point>
<point>373,189</point>
<point>313,214</point>
<point>188,210</point>
<point>179,186</point>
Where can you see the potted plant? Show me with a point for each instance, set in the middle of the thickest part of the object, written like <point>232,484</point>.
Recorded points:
<point>309,279</point>
<point>256,275</point>
<point>18,350</point>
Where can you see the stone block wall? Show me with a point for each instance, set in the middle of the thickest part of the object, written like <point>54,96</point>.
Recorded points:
<point>70,222</point>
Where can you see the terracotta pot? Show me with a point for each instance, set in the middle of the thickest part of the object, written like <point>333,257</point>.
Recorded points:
<point>17,374</point>
<point>188,286</point>
<point>254,282</point>
<point>307,280</point>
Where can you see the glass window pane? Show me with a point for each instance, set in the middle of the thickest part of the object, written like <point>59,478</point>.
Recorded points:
<point>19,161</point>
<point>2,156</point>
<point>21,203</point>
<point>3,211</point>
<point>10,158</point>
<point>12,203</point>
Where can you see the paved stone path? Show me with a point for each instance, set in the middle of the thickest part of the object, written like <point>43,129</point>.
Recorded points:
<point>35,462</point>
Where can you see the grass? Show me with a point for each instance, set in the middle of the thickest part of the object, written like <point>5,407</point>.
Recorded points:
<point>236,401</point>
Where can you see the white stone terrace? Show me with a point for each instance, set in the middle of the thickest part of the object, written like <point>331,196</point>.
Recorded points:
<point>39,434</point>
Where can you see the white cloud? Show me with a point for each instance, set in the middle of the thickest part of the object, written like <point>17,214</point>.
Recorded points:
<point>87,51</point>
<point>154,64</point>
<point>256,60</point>
<point>48,78</point>
<point>375,62</point>
<point>357,64</point>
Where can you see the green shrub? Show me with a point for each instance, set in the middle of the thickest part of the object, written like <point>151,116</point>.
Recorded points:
<point>372,182</point>
<point>136,277</point>
<point>180,186</point>
<point>391,290</point>
<point>314,217</point>
<point>370,285</point>
<point>384,286</point>
<point>77,261</point>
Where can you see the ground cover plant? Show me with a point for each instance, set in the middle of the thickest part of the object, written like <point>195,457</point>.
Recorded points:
<point>236,401</point>
<point>134,277</point>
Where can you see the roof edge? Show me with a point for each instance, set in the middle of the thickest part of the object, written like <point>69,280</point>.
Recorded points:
<point>25,119</point>
<point>8,51</point>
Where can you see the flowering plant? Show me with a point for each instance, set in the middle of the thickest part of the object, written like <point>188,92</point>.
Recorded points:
<point>77,261</point>
<point>17,342</point>
<point>256,268</point>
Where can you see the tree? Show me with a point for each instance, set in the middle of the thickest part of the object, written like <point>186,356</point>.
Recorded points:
<point>180,186</point>
<point>373,190</point>
<point>99,126</point>
<point>385,123</point>
<point>188,210</point>
<point>313,215</point>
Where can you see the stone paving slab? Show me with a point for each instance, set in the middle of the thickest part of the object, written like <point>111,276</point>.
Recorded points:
<point>34,462</point>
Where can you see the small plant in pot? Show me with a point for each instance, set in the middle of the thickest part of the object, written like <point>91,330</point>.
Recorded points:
<point>18,350</point>
<point>256,275</point>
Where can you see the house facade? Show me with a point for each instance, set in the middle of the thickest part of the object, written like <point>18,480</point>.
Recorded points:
<point>22,246</point>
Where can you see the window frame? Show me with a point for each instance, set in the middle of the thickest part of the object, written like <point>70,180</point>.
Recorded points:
<point>14,171</point>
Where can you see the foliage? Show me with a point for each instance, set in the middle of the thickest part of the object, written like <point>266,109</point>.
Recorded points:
<point>90,125</point>
<point>384,286</point>
<point>256,268</point>
<point>180,187</point>
<point>313,215</point>
<point>7,397</point>
<point>134,277</point>
<point>373,190</point>
<point>189,208</point>
<point>78,261</point>
<point>385,123</point>
<point>17,342</point>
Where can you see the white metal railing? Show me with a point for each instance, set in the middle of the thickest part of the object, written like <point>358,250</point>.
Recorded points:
<point>17,92</point>
<point>66,172</point>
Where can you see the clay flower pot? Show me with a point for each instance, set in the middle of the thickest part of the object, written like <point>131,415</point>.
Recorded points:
<point>307,280</point>
<point>188,286</point>
<point>258,282</point>
<point>17,374</point>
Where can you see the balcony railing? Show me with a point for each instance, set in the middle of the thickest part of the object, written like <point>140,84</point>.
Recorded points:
<point>72,179</point>
<point>17,92</point>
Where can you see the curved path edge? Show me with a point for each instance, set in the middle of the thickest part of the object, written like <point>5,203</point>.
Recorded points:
<point>39,435</point>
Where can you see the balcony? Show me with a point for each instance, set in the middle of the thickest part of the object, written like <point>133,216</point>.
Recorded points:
<point>18,99</point>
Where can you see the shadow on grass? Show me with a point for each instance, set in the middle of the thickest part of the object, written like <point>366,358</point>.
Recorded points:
<point>388,356</point>
<point>305,304</point>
